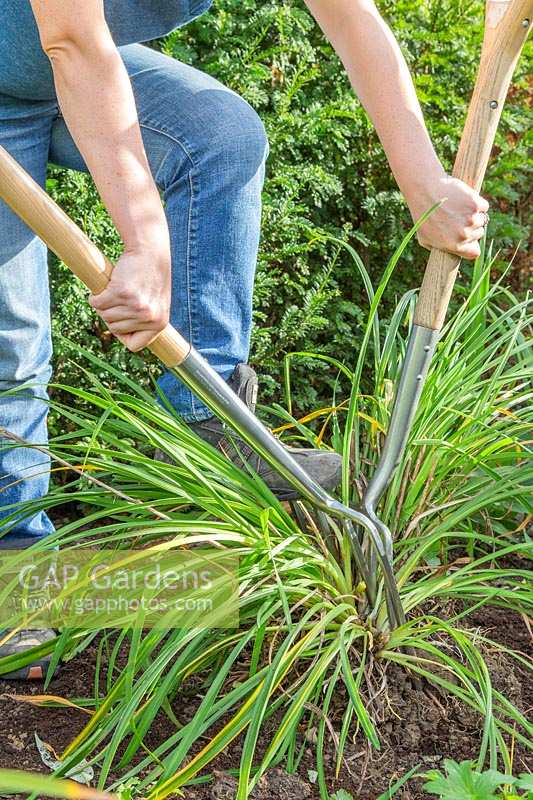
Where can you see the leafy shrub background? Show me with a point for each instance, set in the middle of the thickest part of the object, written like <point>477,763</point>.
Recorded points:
<point>327,174</point>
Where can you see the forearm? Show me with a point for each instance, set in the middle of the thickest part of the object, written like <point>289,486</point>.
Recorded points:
<point>381,79</point>
<point>96,99</point>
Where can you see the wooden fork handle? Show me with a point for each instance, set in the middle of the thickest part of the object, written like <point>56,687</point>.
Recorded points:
<point>71,245</point>
<point>507,23</point>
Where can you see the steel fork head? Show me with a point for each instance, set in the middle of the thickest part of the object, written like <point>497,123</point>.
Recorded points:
<point>196,373</point>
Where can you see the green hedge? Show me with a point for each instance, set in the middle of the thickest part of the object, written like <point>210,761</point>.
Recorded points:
<point>327,174</point>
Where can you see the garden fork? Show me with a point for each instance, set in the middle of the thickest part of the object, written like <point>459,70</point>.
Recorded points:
<point>507,25</point>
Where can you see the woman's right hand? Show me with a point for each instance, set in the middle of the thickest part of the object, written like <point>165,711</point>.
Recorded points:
<point>136,302</point>
<point>458,224</point>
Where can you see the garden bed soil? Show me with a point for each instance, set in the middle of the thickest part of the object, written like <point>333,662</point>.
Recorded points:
<point>417,725</point>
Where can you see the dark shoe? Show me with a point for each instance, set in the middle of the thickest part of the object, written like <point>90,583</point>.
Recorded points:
<point>18,644</point>
<point>322,465</point>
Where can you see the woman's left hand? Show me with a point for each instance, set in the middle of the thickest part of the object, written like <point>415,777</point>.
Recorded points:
<point>136,303</point>
<point>458,224</point>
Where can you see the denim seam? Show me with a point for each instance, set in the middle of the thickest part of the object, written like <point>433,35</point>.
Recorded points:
<point>192,336</point>
<point>198,412</point>
<point>185,146</point>
<point>198,416</point>
<point>160,131</point>
<point>192,273</point>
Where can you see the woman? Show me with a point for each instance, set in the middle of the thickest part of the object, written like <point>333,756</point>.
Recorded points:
<point>77,89</point>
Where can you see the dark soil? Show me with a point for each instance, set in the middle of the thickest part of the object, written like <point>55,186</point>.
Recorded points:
<point>417,725</point>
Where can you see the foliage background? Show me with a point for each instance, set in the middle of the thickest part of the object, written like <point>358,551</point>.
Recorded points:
<point>327,174</point>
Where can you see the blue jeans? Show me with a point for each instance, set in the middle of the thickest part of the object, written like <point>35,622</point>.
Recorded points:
<point>207,149</point>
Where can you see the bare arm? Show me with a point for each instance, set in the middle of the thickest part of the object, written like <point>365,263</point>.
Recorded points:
<point>381,79</point>
<point>96,99</point>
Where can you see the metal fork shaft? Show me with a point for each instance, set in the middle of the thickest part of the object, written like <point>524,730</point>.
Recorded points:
<point>198,376</point>
<point>420,349</point>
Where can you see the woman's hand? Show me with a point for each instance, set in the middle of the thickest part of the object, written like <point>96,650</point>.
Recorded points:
<point>96,98</point>
<point>458,224</point>
<point>136,303</point>
<point>382,81</point>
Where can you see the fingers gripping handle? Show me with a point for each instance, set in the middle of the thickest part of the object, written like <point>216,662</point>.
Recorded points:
<point>507,23</point>
<point>71,245</point>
